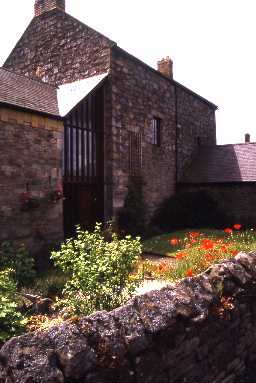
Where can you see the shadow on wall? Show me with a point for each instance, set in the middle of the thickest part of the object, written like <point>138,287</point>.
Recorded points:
<point>190,209</point>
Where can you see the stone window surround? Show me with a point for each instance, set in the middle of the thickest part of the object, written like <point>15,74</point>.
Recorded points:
<point>155,131</point>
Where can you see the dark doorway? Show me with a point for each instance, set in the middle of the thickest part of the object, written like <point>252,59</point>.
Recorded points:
<point>84,164</point>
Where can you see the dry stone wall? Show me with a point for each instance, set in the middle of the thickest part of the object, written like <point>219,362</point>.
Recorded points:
<point>30,165</point>
<point>200,331</point>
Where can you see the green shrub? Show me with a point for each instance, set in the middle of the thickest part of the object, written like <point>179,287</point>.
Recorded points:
<point>11,320</point>
<point>189,209</point>
<point>18,259</point>
<point>98,271</point>
<point>131,218</point>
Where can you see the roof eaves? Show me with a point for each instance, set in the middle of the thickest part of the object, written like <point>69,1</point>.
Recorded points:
<point>24,109</point>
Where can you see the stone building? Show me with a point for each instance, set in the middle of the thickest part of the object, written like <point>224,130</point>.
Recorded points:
<point>108,116</point>
<point>227,173</point>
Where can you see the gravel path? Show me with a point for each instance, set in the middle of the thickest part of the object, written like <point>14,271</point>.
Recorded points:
<point>158,258</point>
<point>154,284</point>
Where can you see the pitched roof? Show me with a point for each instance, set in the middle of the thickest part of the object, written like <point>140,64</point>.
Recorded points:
<point>69,95</point>
<point>222,164</point>
<point>24,92</point>
<point>110,43</point>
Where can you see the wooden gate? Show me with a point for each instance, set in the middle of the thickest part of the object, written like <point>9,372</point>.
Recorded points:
<point>84,164</point>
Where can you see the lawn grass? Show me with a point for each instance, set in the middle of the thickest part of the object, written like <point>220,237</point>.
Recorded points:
<point>195,251</point>
<point>160,244</point>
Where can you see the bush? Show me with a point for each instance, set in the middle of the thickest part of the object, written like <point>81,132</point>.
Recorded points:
<point>98,271</point>
<point>189,209</point>
<point>11,320</point>
<point>18,259</point>
<point>131,218</point>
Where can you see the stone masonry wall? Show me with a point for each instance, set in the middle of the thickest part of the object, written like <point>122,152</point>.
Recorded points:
<point>200,331</point>
<point>237,201</point>
<point>138,95</point>
<point>58,49</point>
<point>30,161</point>
<point>195,126</point>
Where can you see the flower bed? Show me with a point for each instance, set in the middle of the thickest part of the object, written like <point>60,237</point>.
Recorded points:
<point>195,251</point>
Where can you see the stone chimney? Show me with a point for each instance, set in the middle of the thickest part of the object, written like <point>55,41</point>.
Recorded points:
<point>247,138</point>
<point>43,6</point>
<point>165,66</point>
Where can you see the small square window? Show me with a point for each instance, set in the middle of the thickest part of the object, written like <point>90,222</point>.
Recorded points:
<point>155,132</point>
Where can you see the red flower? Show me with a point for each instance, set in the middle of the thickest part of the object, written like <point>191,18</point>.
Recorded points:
<point>25,197</point>
<point>180,255</point>
<point>194,234</point>
<point>189,273</point>
<point>192,241</point>
<point>174,241</point>
<point>228,230</point>
<point>163,266</point>
<point>224,249</point>
<point>234,252</point>
<point>237,226</point>
<point>209,257</point>
<point>207,244</point>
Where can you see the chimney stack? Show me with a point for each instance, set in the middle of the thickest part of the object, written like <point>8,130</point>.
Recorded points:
<point>247,138</point>
<point>165,66</point>
<point>43,6</point>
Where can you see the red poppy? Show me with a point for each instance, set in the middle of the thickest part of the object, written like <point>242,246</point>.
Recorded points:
<point>237,226</point>
<point>189,273</point>
<point>174,241</point>
<point>234,252</point>
<point>194,234</point>
<point>224,249</point>
<point>209,257</point>
<point>163,266</point>
<point>180,255</point>
<point>228,230</point>
<point>207,244</point>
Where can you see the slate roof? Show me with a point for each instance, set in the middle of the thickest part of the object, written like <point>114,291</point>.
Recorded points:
<point>222,164</point>
<point>24,92</point>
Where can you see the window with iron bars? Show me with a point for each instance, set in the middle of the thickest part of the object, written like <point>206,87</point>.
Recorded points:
<point>135,153</point>
<point>155,131</point>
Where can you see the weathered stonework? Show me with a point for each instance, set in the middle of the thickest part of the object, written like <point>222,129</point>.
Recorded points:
<point>30,160</point>
<point>195,126</point>
<point>137,97</point>
<point>200,331</point>
<point>58,49</point>
<point>237,201</point>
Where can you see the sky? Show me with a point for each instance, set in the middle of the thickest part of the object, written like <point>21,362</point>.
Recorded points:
<point>212,45</point>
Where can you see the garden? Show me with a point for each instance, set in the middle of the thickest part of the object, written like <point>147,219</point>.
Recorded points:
<point>98,271</point>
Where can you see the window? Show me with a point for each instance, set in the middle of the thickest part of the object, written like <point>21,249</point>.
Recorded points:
<point>135,153</point>
<point>155,132</point>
